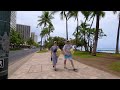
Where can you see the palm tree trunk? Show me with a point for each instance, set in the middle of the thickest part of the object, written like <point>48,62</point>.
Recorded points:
<point>81,48</point>
<point>66,29</point>
<point>117,41</point>
<point>89,33</point>
<point>41,44</point>
<point>49,32</point>
<point>96,35</point>
<point>92,22</point>
<point>85,20</point>
<point>77,31</point>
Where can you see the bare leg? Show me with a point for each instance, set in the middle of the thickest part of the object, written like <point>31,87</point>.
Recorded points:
<point>64,63</point>
<point>55,66</point>
<point>72,64</point>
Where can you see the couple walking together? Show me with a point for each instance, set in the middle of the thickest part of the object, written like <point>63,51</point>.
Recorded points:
<point>67,54</point>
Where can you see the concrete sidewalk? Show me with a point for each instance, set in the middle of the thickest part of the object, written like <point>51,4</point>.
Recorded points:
<point>40,67</point>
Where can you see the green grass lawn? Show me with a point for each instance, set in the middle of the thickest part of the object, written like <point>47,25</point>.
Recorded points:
<point>115,66</point>
<point>42,51</point>
<point>84,54</point>
<point>117,55</point>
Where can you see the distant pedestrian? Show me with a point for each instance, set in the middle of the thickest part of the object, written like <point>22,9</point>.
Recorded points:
<point>68,54</point>
<point>54,56</point>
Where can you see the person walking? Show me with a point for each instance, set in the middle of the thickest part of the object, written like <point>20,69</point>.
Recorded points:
<point>68,54</point>
<point>54,55</point>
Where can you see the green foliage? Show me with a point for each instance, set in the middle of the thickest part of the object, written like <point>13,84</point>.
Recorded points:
<point>15,38</point>
<point>59,40</point>
<point>36,44</point>
<point>45,18</point>
<point>30,41</point>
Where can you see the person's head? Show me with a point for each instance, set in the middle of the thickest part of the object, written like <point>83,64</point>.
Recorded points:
<point>67,42</point>
<point>55,43</point>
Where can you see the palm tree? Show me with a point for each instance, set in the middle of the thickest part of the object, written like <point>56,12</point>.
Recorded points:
<point>98,14</point>
<point>84,30</point>
<point>89,40</point>
<point>43,33</point>
<point>75,15</point>
<point>64,14</point>
<point>45,20</point>
<point>87,14</point>
<point>51,28</point>
<point>117,40</point>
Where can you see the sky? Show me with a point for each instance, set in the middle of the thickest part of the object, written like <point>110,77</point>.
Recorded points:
<point>109,24</point>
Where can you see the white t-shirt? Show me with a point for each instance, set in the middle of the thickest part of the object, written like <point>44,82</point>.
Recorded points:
<point>67,48</point>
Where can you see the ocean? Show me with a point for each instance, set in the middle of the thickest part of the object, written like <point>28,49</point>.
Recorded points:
<point>105,50</point>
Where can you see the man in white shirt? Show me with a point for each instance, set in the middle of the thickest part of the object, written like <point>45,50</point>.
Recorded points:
<point>68,54</point>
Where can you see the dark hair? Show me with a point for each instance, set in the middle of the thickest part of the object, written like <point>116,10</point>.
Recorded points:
<point>68,41</point>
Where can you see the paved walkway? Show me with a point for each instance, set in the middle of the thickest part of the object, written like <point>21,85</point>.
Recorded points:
<point>40,67</point>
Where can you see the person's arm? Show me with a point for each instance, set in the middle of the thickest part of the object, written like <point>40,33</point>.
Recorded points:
<point>64,51</point>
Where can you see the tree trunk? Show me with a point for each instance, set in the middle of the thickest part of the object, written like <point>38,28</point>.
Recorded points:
<point>85,20</point>
<point>85,44</point>
<point>49,33</point>
<point>81,48</point>
<point>41,44</point>
<point>66,29</point>
<point>96,35</point>
<point>89,32</point>
<point>77,32</point>
<point>91,47</point>
<point>117,40</point>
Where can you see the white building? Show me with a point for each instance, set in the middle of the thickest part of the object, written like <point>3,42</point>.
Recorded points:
<point>13,20</point>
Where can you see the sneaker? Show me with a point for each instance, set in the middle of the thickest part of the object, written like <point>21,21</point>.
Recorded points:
<point>65,67</point>
<point>55,69</point>
<point>74,69</point>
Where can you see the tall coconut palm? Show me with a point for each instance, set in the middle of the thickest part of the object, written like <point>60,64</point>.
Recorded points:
<point>45,21</point>
<point>87,14</point>
<point>83,28</point>
<point>118,32</point>
<point>89,39</point>
<point>75,15</point>
<point>45,18</point>
<point>64,14</point>
<point>98,14</point>
<point>43,33</point>
<point>50,28</point>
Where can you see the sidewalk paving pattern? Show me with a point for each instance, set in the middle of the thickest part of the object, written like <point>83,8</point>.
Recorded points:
<point>40,67</point>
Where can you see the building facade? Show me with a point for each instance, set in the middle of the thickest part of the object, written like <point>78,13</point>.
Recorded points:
<point>24,31</point>
<point>35,39</point>
<point>13,20</point>
<point>32,35</point>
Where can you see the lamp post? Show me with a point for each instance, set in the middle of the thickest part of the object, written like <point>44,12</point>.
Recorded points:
<point>4,43</point>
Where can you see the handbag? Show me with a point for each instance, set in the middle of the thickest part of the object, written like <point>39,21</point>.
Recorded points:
<point>58,52</point>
